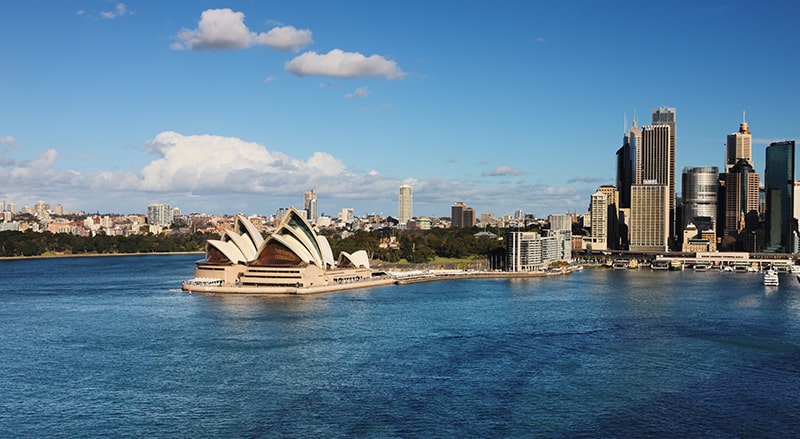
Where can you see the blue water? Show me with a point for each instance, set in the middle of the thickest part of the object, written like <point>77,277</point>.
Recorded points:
<point>109,347</point>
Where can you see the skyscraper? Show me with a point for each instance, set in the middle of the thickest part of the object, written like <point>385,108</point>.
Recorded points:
<point>649,225</point>
<point>310,205</point>
<point>404,204</point>
<point>599,221</point>
<point>457,214</point>
<point>654,157</point>
<point>700,197</point>
<point>741,199</point>
<point>779,188</point>
<point>625,164</point>
<point>461,215</point>
<point>739,146</point>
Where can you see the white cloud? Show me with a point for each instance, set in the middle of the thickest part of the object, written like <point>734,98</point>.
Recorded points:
<point>227,163</point>
<point>217,174</point>
<point>340,64</point>
<point>503,171</point>
<point>119,10</point>
<point>361,92</point>
<point>285,38</point>
<point>224,29</point>
<point>269,79</point>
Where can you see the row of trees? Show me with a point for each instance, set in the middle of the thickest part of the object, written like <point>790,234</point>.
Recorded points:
<point>13,243</point>
<point>420,246</point>
<point>415,246</point>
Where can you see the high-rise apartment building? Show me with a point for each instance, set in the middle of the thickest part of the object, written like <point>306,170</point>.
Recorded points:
<point>530,251</point>
<point>779,189</point>
<point>700,197</point>
<point>612,215</point>
<point>461,215</point>
<point>404,204</point>
<point>599,221</point>
<point>469,218</point>
<point>739,146</point>
<point>310,205</point>
<point>649,222</point>
<point>561,221</point>
<point>159,215</point>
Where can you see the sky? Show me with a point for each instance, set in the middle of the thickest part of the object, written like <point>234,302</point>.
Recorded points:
<point>241,106</point>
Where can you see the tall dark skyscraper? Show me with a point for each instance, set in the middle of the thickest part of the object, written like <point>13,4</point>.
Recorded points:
<point>625,165</point>
<point>779,188</point>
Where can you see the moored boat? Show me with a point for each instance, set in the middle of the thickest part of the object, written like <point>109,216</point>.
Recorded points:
<point>659,265</point>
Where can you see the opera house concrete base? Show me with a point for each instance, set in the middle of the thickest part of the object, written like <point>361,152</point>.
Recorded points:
<point>200,287</point>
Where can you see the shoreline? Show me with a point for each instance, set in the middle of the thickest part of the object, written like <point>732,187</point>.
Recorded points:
<point>90,255</point>
<point>378,282</point>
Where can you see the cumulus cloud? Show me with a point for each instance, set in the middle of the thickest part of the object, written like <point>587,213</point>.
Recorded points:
<point>215,162</point>
<point>269,79</point>
<point>340,64</point>
<point>361,92</point>
<point>503,171</point>
<point>119,10</point>
<point>224,29</point>
<point>284,38</point>
<point>219,174</point>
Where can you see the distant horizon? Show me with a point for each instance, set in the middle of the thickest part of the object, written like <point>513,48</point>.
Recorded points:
<point>241,109</point>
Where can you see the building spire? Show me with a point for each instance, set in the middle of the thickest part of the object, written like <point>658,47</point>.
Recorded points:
<point>743,128</point>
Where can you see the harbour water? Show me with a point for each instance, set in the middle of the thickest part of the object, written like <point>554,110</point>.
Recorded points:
<point>109,347</point>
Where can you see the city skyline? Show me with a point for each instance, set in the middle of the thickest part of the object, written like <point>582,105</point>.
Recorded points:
<point>140,102</point>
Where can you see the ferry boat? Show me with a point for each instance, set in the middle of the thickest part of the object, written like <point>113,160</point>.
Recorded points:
<point>771,278</point>
<point>620,264</point>
<point>741,267</point>
<point>700,266</point>
<point>676,266</point>
<point>659,265</point>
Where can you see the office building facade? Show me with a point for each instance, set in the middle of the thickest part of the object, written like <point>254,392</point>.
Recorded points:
<point>649,222</point>
<point>739,145</point>
<point>700,187</point>
<point>779,190</point>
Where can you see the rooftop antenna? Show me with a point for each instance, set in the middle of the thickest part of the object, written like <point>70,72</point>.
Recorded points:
<point>744,120</point>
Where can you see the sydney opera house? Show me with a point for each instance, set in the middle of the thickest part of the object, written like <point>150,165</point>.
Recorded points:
<point>292,260</point>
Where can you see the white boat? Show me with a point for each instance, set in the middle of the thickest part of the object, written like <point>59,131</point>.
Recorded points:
<point>620,264</point>
<point>771,278</point>
<point>795,269</point>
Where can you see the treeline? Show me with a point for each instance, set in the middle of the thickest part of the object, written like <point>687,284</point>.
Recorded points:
<point>14,243</point>
<point>420,246</point>
<point>415,246</point>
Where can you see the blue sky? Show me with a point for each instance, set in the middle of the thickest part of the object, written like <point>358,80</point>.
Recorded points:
<point>241,106</point>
